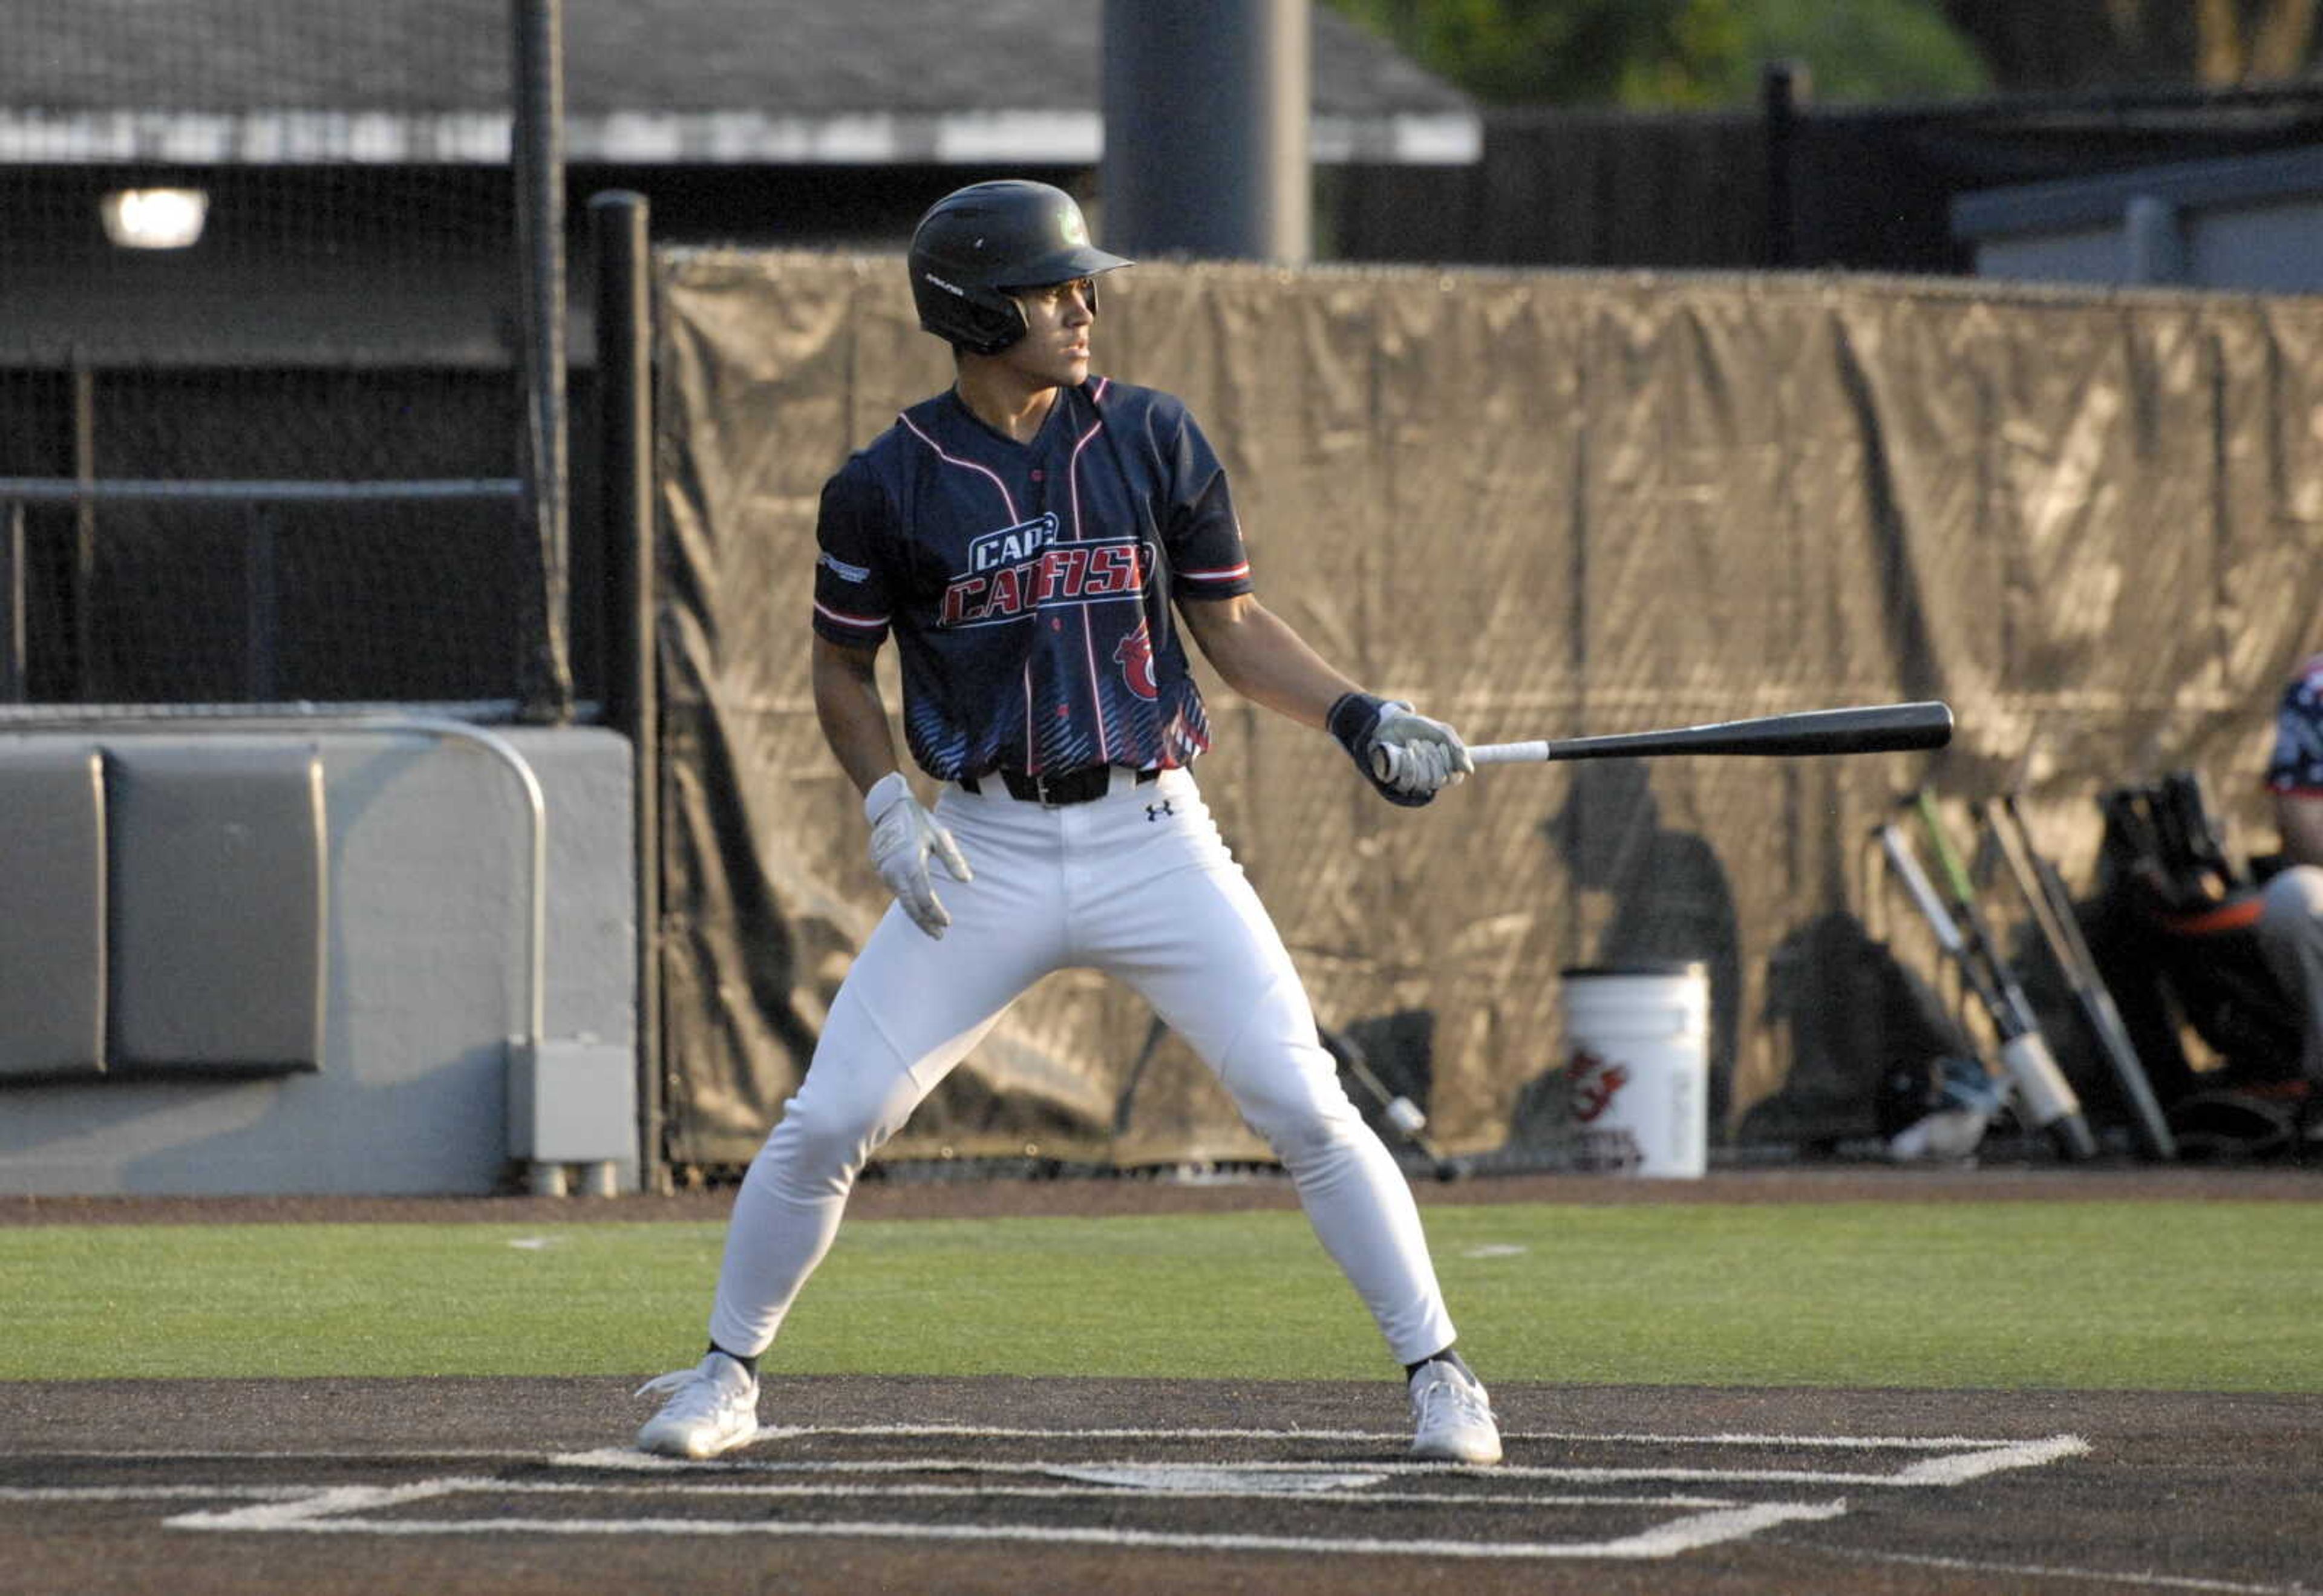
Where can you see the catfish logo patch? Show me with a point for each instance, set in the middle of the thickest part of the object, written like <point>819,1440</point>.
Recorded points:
<point>1135,658</point>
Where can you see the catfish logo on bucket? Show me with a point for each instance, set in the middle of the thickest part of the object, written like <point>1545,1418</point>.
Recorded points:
<point>1596,1084</point>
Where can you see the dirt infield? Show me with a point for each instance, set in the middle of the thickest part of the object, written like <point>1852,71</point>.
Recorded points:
<point>527,1487</point>
<point>1029,1488</point>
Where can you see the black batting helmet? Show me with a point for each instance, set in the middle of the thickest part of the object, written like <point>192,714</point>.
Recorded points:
<point>980,242</point>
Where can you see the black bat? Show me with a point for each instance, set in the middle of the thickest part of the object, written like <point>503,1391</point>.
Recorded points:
<point>1400,1113</point>
<point>1124,1103</point>
<point>1865,729</point>
<point>2051,907</point>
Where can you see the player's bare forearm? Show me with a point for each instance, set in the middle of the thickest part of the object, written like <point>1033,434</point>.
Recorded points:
<point>853,716</point>
<point>1263,659</point>
<point>2298,816</point>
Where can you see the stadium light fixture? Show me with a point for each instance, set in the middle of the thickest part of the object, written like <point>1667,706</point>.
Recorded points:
<point>154,218</point>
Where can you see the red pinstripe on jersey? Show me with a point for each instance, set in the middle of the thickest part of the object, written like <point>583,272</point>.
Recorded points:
<point>868,622</point>
<point>1007,499</point>
<point>1089,638</point>
<point>985,556</point>
<point>1031,736</point>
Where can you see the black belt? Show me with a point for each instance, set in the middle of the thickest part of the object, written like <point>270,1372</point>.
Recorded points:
<point>1073,786</point>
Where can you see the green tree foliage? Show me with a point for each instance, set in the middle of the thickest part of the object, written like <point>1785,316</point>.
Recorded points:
<point>2088,43</point>
<point>1678,53</point>
<point>1864,49</point>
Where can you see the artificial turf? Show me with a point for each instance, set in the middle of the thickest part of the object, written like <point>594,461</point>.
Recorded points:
<point>2206,1296</point>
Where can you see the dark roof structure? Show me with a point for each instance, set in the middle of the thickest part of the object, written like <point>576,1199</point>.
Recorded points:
<point>647,82</point>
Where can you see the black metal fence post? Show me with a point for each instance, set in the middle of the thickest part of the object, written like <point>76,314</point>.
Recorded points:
<point>15,659</point>
<point>1783,88</point>
<point>620,224</point>
<point>537,164</point>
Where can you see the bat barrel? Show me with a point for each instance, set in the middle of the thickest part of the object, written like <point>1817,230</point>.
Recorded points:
<point>1866,729</point>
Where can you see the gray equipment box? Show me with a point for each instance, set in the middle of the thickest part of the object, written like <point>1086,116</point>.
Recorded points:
<point>218,907</point>
<point>51,912</point>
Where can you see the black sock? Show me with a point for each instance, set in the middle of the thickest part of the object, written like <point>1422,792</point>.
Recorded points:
<point>1446,1356</point>
<point>749,1363</point>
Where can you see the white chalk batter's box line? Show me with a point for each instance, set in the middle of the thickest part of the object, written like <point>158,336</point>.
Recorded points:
<point>1954,1461</point>
<point>1699,1520</point>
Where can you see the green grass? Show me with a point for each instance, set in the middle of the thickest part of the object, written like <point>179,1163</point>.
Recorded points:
<point>2059,1294</point>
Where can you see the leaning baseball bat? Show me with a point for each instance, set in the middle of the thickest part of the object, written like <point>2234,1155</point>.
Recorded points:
<point>2051,907</point>
<point>2045,1099</point>
<point>2058,1108</point>
<point>1399,1111</point>
<point>1865,729</point>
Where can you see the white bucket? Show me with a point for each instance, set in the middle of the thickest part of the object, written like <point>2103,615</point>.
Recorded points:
<point>1637,1053</point>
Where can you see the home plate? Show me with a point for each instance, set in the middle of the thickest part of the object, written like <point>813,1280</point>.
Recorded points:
<point>1214,1481</point>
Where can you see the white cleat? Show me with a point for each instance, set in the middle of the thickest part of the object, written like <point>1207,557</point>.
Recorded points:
<point>713,1407</point>
<point>1452,1417</point>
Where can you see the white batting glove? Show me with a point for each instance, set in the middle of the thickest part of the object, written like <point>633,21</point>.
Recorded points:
<point>903,835</point>
<point>1429,754</point>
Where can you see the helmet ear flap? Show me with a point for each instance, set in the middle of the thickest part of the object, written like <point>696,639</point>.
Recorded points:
<point>989,328</point>
<point>978,319</point>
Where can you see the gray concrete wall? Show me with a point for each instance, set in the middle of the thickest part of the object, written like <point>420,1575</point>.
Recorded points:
<point>426,960</point>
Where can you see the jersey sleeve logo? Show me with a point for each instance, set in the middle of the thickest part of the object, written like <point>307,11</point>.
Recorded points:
<point>841,569</point>
<point>1135,658</point>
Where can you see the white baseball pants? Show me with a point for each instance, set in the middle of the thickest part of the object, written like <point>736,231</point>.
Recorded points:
<point>1137,883</point>
<point>2290,935</point>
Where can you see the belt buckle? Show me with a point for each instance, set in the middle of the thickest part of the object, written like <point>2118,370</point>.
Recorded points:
<point>1058,791</point>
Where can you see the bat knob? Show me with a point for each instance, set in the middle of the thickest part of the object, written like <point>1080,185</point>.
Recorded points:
<point>1383,762</point>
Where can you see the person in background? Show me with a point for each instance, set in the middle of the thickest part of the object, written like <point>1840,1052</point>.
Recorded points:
<point>2290,926</point>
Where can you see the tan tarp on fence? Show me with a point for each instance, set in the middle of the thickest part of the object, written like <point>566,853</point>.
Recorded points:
<point>1540,505</point>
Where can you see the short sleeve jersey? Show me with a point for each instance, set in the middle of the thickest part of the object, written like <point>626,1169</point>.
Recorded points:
<point>1029,586</point>
<point>2297,765</point>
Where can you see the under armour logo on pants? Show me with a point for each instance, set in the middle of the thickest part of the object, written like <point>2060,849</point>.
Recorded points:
<point>1154,811</point>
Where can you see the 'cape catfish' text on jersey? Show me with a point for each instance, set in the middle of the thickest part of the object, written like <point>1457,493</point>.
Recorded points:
<point>1029,586</point>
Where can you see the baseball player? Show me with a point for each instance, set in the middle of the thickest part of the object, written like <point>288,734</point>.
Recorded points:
<point>2290,927</point>
<point>1040,543</point>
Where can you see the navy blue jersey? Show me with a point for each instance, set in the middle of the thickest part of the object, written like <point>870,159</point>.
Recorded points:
<point>1029,585</point>
<point>2296,764</point>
